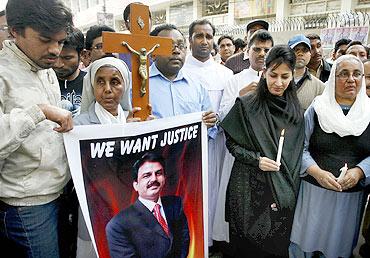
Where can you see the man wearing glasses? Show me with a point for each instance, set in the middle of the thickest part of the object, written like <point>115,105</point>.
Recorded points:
<point>240,61</point>
<point>94,42</point>
<point>172,91</point>
<point>246,81</point>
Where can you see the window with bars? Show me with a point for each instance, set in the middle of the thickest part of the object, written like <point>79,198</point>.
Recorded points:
<point>214,7</point>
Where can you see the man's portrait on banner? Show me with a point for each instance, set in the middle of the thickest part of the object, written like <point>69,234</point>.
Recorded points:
<point>153,226</point>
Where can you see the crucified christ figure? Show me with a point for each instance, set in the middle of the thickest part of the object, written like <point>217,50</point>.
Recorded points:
<point>142,55</point>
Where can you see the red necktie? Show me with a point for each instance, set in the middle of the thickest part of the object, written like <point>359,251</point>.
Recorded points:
<point>158,216</point>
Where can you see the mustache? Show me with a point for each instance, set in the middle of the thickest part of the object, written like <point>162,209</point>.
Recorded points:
<point>154,183</point>
<point>51,56</point>
<point>175,58</point>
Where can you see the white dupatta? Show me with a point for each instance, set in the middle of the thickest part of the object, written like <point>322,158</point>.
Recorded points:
<point>330,114</point>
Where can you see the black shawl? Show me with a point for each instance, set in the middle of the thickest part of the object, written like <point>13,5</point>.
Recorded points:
<point>251,134</point>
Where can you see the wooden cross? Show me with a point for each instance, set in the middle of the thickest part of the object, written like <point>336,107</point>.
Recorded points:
<point>140,45</point>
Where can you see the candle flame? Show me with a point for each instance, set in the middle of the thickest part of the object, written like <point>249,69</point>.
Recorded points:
<point>282,133</point>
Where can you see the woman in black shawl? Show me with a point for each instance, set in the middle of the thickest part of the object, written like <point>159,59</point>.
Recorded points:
<point>261,194</point>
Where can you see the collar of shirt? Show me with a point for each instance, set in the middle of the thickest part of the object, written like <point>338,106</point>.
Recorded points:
<point>318,71</point>
<point>192,60</point>
<point>246,56</point>
<point>9,44</point>
<point>305,76</point>
<point>250,70</point>
<point>153,71</point>
<point>150,206</point>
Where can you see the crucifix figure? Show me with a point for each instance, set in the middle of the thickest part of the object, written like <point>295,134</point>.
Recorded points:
<point>140,45</point>
<point>142,55</point>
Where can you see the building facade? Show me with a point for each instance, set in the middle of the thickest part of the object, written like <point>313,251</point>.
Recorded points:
<point>286,17</point>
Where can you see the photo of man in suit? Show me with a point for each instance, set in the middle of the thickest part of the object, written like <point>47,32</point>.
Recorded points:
<point>154,226</point>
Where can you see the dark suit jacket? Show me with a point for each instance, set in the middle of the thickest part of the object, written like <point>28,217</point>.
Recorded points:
<point>135,232</point>
<point>326,68</point>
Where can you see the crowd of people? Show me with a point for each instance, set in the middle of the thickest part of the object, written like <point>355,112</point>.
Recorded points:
<point>306,201</point>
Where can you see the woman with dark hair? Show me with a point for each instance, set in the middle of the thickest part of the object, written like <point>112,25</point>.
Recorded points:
<point>261,194</point>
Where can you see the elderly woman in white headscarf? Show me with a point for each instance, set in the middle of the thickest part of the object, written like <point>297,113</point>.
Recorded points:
<point>105,100</point>
<point>106,94</point>
<point>335,166</point>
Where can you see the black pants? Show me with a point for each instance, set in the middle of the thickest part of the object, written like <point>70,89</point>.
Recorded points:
<point>245,248</point>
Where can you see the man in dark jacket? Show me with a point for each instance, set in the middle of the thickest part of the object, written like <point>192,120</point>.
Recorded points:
<point>317,65</point>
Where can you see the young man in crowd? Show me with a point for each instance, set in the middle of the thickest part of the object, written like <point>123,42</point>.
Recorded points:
<point>70,77</point>
<point>356,48</point>
<point>213,76</point>
<point>317,66</point>
<point>340,48</point>
<point>308,86</point>
<point>94,42</point>
<point>239,62</point>
<point>246,81</point>
<point>227,48</point>
<point>33,163</point>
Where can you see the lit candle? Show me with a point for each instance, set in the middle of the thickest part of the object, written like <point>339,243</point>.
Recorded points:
<point>280,148</point>
<point>343,171</point>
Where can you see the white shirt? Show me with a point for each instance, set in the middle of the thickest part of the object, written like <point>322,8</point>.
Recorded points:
<point>234,85</point>
<point>150,205</point>
<point>212,76</point>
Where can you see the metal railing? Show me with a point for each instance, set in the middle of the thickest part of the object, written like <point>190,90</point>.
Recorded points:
<point>332,20</point>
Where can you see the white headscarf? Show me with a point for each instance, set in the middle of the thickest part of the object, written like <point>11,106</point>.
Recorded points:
<point>88,83</point>
<point>330,114</point>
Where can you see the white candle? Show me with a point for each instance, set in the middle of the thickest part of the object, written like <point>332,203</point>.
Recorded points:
<point>280,148</point>
<point>343,171</point>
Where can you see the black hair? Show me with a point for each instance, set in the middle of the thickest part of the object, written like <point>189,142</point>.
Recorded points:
<point>147,157</point>
<point>239,44</point>
<point>354,43</point>
<point>95,32</point>
<point>75,40</point>
<point>47,17</point>
<point>280,54</point>
<point>312,36</point>
<point>162,27</point>
<point>2,13</point>
<point>260,35</point>
<point>215,47</point>
<point>126,12</point>
<point>201,22</point>
<point>225,37</point>
<point>341,42</point>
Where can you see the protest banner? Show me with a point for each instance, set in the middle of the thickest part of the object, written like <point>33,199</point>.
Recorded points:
<point>101,158</point>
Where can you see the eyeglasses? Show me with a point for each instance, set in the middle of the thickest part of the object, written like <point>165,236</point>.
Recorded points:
<point>259,49</point>
<point>98,46</point>
<point>180,46</point>
<point>344,75</point>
